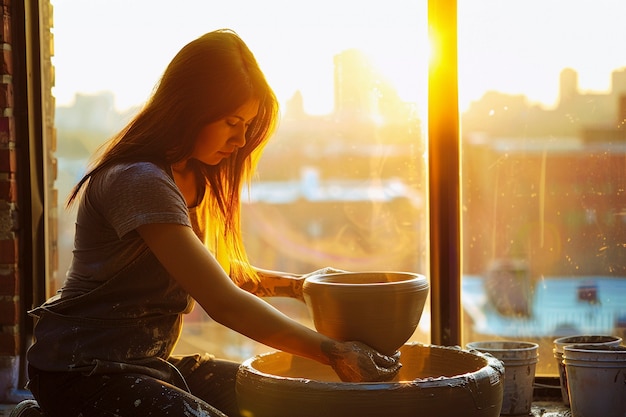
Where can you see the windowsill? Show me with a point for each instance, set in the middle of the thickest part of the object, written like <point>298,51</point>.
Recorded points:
<point>547,399</point>
<point>550,408</point>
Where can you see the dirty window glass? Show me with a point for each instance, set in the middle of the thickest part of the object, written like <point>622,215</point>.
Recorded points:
<point>341,184</point>
<point>542,89</point>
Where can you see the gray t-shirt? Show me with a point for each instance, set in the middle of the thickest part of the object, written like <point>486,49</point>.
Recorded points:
<point>117,201</point>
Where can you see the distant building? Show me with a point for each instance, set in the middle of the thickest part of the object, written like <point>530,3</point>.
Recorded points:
<point>355,80</point>
<point>311,222</point>
<point>318,200</point>
<point>559,203</point>
<point>94,113</point>
<point>568,86</point>
<point>561,306</point>
<point>502,115</point>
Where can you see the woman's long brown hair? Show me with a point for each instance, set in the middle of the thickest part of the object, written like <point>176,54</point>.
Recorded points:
<point>208,79</point>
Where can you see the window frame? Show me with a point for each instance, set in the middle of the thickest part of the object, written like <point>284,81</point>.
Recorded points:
<point>444,197</point>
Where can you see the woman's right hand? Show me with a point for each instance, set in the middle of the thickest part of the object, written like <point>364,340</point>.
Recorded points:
<point>357,362</point>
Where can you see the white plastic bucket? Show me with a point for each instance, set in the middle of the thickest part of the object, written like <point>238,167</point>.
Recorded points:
<point>596,380</point>
<point>561,342</point>
<point>519,360</point>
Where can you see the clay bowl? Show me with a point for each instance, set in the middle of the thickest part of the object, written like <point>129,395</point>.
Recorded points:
<point>380,309</point>
<point>434,381</point>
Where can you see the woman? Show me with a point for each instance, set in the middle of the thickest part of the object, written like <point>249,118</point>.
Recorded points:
<point>157,229</point>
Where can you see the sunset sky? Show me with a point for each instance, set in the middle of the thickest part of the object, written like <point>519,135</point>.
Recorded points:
<point>516,47</point>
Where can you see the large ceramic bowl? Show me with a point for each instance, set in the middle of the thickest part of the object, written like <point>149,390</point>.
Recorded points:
<point>380,309</point>
<point>434,381</point>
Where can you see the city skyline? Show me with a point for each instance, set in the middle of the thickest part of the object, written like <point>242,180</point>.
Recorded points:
<point>109,96</point>
<point>512,47</point>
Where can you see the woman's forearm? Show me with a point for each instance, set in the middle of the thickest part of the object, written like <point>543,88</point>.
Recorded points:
<point>276,284</point>
<point>260,321</point>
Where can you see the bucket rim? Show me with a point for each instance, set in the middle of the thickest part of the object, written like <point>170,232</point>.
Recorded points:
<point>603,339</point>
<point>595,348</point>
<point>490,345</point>
<point>595,356</point>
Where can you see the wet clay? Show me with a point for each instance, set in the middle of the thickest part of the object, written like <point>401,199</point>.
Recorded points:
<point>380,309</point>
<point>434,381</point>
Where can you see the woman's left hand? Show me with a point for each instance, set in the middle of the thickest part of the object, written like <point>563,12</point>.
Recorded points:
<point>282,284</point>
<point>322,271</point>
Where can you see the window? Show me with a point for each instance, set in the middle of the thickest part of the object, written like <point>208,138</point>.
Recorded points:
<point>542,104</point>
<point>343,181</point>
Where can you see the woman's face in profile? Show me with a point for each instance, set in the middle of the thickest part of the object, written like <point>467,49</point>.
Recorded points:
<point>219,139</point>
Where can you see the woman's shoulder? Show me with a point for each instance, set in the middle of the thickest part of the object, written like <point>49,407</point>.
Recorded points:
<point>129,179</point>
<point>139,168</point>
<point>130,193</point>
<point>129,173</point>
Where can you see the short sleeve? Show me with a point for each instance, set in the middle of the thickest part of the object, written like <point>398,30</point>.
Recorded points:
<point>134,194</point>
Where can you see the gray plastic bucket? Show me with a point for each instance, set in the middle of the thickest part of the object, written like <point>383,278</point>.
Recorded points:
<point>596,380</point>
<point>561,342</point>
<point>520,360</point>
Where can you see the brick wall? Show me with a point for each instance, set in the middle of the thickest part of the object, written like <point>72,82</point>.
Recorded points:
<point>27,155</point>
<point>10,305</point>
